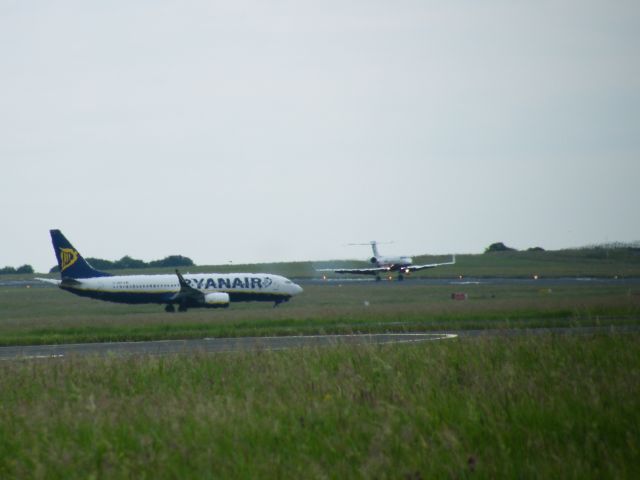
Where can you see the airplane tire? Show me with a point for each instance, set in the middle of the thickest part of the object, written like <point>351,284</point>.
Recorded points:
<point>169,308</point>
<point>378,278</point>
<point>182,308</point>
<point>400,278</point>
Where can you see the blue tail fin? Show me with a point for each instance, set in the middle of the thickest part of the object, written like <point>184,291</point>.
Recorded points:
<point>71,263</point>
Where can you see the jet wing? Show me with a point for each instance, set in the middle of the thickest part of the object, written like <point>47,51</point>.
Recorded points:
<point>361,271</point>
<point>415,268</point>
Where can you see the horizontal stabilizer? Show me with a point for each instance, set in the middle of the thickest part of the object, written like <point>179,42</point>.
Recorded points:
<point>52,281</point>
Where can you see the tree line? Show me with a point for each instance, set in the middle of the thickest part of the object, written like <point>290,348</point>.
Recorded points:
<point>11,270</point>
<point>128,263</point>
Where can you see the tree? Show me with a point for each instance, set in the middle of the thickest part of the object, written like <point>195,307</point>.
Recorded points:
<point>172,261</point>
<point>128,262</point>
<point>12,270</point>
<point>498,247</point>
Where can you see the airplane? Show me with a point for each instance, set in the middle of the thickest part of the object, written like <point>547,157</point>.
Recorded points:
<point>202,290</point>
<point>403,265</point>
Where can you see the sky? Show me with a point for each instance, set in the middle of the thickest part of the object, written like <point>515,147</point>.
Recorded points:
<point>252,131</point>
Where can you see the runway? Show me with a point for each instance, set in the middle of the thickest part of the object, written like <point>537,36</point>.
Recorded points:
<point>464,281</point>
<point>219,345</point>
<point>427,281</point>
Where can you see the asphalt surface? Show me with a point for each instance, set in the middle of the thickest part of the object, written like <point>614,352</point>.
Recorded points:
<point>540,281</point>
<point>217,345</point>
<point>359,280</point>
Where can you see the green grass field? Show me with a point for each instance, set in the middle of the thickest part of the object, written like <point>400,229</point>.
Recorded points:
<point>543,407</point>
<point>49,315</point>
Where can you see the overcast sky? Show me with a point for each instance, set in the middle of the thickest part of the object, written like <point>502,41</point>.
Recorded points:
<point>252,131</point>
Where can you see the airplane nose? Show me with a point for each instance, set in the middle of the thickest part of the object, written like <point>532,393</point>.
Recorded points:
<point>297,289</point>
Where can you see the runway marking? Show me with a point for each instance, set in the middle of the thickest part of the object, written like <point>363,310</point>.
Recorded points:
<point>230,344</point>
<point>33,357</point>
<point>441,336</point>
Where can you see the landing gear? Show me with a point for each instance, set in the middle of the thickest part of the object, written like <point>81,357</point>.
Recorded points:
<point>378,278</point>
<point>169,308</point>
<point>182,307</point>
<point>280,300</point>
<point>400,277</point>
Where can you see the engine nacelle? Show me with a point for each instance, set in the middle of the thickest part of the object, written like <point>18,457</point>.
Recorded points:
<point>374,260</point>
<point>216,300</point>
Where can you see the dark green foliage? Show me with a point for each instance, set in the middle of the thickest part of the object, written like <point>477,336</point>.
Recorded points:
<point>498,247</point>
<point>24,269</point>
<point>128,263</point>
<point>172,261</point>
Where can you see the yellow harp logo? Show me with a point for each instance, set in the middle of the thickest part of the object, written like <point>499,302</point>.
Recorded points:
<point>68,257</point>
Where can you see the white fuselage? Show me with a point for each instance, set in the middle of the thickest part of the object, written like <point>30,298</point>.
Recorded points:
<point>391,262</point>
<point>162,288</point>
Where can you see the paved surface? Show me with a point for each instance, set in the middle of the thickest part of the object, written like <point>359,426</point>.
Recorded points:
<point>541,281</point>
<point>164,347</point>
<point>359,280</point>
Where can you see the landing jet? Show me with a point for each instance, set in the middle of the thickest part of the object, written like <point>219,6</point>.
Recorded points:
<point>403,265</point>
<point>202,290</point>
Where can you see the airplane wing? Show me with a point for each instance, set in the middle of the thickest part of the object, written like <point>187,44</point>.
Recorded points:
<point>415,268</point>
<point>361,271</point>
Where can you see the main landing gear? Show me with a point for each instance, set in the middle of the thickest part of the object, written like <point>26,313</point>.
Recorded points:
<point>279,301</point>
<point>169,308</point>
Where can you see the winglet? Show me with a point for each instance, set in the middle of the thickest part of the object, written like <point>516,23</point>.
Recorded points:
<point>182,281</point>
<point>185,287</point>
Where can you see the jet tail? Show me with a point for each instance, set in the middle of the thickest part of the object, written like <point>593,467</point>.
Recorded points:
<point>374,248</point>
<point>70,262</point>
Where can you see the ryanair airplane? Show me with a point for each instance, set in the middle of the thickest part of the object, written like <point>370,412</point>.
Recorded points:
<point>208,290</point>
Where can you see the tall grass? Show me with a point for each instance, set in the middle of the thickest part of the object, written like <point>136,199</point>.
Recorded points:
<point>544,407</point>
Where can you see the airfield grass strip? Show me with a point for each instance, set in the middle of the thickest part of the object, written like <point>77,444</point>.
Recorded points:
<point>527,407</point>
<point>341,324</point>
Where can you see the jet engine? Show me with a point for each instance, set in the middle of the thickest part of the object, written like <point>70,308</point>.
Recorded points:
<point>216,300</point>
<point>374,260</point>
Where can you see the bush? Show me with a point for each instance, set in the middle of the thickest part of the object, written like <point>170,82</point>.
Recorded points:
<point>11,270</point>
<point>498,247</point>
<point>127,262</point>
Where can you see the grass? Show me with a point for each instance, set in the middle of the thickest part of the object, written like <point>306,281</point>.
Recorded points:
<point>48,315</point>
<point>543,407</point>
